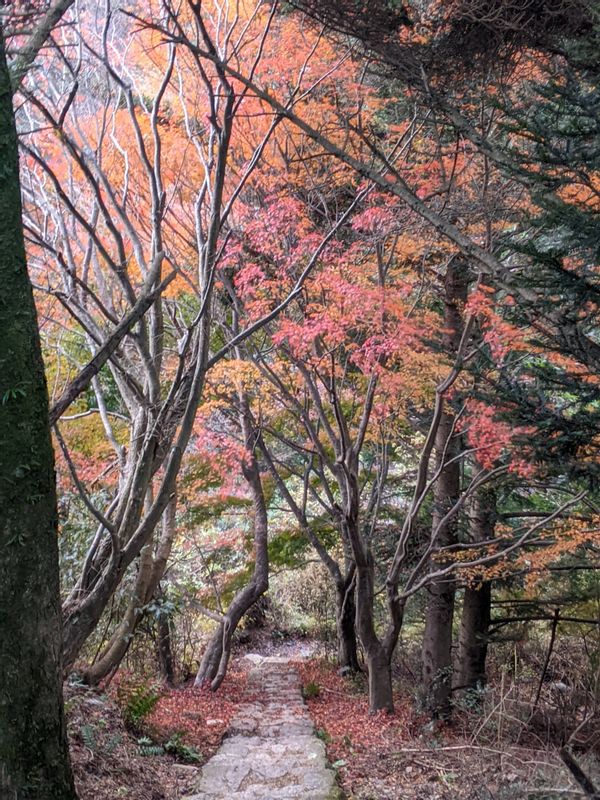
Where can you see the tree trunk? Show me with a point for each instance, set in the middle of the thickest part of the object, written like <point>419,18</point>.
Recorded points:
<point>381,697</point>
<point>209,665</point>
<point>470,670</point>
<point>345,620</point>
<point>150,571</point>
<point>378,655</point>
<point>34,761</point>
<point>437,638</point>
<point>164,649</point>
<point>119,642</point>
<point>213,666</point>
<point>437,649</point>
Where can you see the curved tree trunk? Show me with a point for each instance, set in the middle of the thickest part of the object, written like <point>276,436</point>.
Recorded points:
<point>215,660</point>
<point>378,653</point>
<point>150,572</point>
<point>34,761</point>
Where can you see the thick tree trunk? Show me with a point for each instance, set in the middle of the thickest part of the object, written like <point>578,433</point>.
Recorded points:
<point>345,620</point>
<point>213,666</point>
<point>470,672</point>
<point>437,638</point>
<point>381,697</point>
<point>378,654</point>
<point>34,762</point>
<point>437,649</point>
<point>216,649</point>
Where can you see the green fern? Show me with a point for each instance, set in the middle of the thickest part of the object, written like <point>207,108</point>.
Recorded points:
<point>311,690</point>
<point>176,747</point>
<point>112,744</point>
<point>146,747</point>
<point>89,738</point>
<point>137,700</point>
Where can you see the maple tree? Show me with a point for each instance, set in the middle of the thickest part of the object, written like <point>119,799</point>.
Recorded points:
<point>254,275</point>
<point>104,263</point>
<point>485,259</point>
<point>328,364</point>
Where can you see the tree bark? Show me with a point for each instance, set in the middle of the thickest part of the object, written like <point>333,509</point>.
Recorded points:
<point>437,638</point>
<point>345,621</point>
<point>378,654</point>
<point>164,649</point>
<point>34,761</point>
<point>381,697</point>
<point>215,660</point>
<point>470,671</point>
<point>150,572</point>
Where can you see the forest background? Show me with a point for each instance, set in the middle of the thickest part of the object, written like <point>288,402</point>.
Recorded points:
<point>317,297</point>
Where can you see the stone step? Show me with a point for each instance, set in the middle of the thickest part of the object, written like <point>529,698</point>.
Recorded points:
<point>271,752</point>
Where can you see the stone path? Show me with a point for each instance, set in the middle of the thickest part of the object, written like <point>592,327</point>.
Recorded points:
<point>271,751</point>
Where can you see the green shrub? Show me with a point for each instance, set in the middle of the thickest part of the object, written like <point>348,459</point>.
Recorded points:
<point>322,734</point>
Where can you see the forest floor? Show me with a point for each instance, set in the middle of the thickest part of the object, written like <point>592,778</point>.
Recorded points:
<point>119,752</point>
<point>404,755</point>
<point>482,755</point>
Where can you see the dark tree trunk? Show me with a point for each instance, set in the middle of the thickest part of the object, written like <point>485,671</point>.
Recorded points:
<point>381,696</point>
<point>345,620</point>
<point>437,639</point>
<point>470,672</point>
<point>34,762</point>
<point>437,649</point>
<point>378,654</point>
<point>164,649</point>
